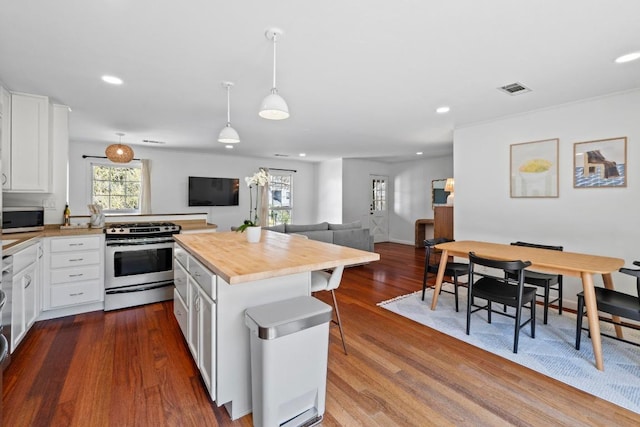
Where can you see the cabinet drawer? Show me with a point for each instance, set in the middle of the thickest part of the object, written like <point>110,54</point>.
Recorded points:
<point>24,258</point>
<point>204,277</point>
<point>75,244</point>
<point>75,274</point>
<point>181,255</point>
<point>180,311</point>
<point>180,281</point>
<point>72,259</point>
<point>76,293</point>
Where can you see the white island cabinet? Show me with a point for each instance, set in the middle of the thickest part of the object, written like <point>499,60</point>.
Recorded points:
<point>195,309</point>
<point>226,275</point>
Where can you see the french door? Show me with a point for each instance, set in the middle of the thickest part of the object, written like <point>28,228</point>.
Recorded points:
<point>378,213</point>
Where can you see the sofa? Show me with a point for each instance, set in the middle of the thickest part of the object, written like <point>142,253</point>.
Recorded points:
<point>351,234</point>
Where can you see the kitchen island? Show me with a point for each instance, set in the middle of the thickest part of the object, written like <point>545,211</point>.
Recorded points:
<point>225,275</point>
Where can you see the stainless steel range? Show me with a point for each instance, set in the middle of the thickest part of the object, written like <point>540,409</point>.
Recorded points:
<point>139,263</point>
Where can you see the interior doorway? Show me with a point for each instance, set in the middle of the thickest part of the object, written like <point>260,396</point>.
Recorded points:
<point>378,212</point>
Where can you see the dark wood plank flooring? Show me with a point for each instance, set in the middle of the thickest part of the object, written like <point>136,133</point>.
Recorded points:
<point>132,368</point>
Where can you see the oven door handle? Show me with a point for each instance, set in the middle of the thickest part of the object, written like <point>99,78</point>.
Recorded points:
<point>146,288</point>
<point>133,242</point>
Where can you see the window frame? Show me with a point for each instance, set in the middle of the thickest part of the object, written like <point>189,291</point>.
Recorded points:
<point>106,163</point>
<point>289,208</point>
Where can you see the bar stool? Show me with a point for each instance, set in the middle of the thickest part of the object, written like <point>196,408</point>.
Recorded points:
<point>325,281</point>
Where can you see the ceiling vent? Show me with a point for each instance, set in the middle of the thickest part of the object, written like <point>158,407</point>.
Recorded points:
<point>514,89</point>
<point>151,141</point>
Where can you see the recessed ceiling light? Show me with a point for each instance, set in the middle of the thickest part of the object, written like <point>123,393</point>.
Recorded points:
<point>229,147</point>
<point>303,154</point>
<point>443,110</point>
<point>627,58</point>
<point>112,80</point>
<point>419,153</point>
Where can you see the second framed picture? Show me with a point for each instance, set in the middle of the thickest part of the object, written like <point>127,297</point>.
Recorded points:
<point>534,169</point>
<point>600,164</point>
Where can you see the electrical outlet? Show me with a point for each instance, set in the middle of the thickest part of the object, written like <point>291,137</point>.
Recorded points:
<point>49,204</point>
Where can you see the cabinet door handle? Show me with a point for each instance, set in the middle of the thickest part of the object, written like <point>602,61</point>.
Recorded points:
<point>77,294</point>
<point>76,275</point>
<point>28,281</point>
<point>4,179</point>
<point>76,259</point>
<point>76,244</point>
<point>196,274</point>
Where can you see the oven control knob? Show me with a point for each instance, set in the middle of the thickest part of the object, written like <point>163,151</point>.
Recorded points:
<point>113,230</point>
<point>122,230</point>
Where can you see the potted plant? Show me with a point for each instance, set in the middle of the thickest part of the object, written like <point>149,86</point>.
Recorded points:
<point>252,225</point>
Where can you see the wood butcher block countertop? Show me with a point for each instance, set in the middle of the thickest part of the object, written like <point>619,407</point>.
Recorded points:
<point>230,256</point>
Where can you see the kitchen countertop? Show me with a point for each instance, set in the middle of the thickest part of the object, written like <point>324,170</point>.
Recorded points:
<point>12,242</point>
<point>230,256</point>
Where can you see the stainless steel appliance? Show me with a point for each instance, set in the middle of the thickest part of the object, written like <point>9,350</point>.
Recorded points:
<point>139,263</point>
<point>21,219</point>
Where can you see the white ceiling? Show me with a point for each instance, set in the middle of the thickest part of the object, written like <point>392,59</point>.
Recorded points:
<point>362,77</point>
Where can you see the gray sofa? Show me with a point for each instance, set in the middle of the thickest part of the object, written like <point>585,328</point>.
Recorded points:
<point>351,234</point>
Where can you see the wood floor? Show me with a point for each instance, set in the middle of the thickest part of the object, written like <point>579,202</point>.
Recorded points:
<point>132,368</point>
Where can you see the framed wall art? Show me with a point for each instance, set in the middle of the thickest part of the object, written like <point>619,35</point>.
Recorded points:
<point>600,164</point>
<point>534,169</point>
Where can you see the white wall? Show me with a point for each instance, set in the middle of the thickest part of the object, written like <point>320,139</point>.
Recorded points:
<point>330,191</point>
<point>170,170</point>
<point>601,221</point>
<point>412,194</point>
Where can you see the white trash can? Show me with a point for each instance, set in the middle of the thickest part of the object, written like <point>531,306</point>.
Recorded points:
<point>289,348</point>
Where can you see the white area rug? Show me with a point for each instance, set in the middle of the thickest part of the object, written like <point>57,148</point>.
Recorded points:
<point>551,353</point>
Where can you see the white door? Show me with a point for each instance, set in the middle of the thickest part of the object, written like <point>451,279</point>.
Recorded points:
<point>379,223</point>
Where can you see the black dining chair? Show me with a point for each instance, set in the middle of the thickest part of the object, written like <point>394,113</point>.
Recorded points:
<point>432,264</point>
<point>613,302</point>
<point>508,289</point>
<point>548,282</point>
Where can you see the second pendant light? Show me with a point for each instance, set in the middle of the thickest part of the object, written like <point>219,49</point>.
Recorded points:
<point>228,135</point>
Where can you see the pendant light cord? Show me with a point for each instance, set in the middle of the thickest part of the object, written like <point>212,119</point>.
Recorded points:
<point>275,36</point>
<point>228,108</point>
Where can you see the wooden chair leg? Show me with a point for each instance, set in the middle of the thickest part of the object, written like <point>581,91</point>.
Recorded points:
<point>335,305</point>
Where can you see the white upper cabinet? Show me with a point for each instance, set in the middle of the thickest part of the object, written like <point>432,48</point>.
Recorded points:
<point>5,136</point>
<point>28,167</point>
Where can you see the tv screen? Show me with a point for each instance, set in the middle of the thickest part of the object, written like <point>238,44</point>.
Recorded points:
<point>213,191</point>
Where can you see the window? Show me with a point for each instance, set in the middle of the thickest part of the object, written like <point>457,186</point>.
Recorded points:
<point>116,188</point>
<point>280,206</point>
<point>378,194</point>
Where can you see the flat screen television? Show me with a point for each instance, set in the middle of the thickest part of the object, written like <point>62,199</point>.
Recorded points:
<point>213,191</point>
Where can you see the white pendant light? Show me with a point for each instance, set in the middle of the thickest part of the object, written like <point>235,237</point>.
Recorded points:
<point>119,153</point>
<point>228,135</point>
<point>273,106</point>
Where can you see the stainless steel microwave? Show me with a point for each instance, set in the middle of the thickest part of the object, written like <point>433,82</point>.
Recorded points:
<point>22,219</point>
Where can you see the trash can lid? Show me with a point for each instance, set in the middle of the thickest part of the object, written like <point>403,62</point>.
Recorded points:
<point>286,317</point>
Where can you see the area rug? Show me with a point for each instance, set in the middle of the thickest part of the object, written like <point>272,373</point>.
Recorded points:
<point>551,353</point>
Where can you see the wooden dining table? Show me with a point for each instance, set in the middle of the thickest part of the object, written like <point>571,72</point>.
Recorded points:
<point>573,264</point>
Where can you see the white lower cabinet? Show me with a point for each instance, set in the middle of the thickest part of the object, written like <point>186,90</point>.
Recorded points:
<point>25,291</point>
<point>76,271</point>
<point>197,286</point>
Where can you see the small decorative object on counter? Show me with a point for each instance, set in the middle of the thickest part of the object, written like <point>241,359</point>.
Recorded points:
<point>97,217</point>
<point>67,215</point>
<point>252,225</point>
